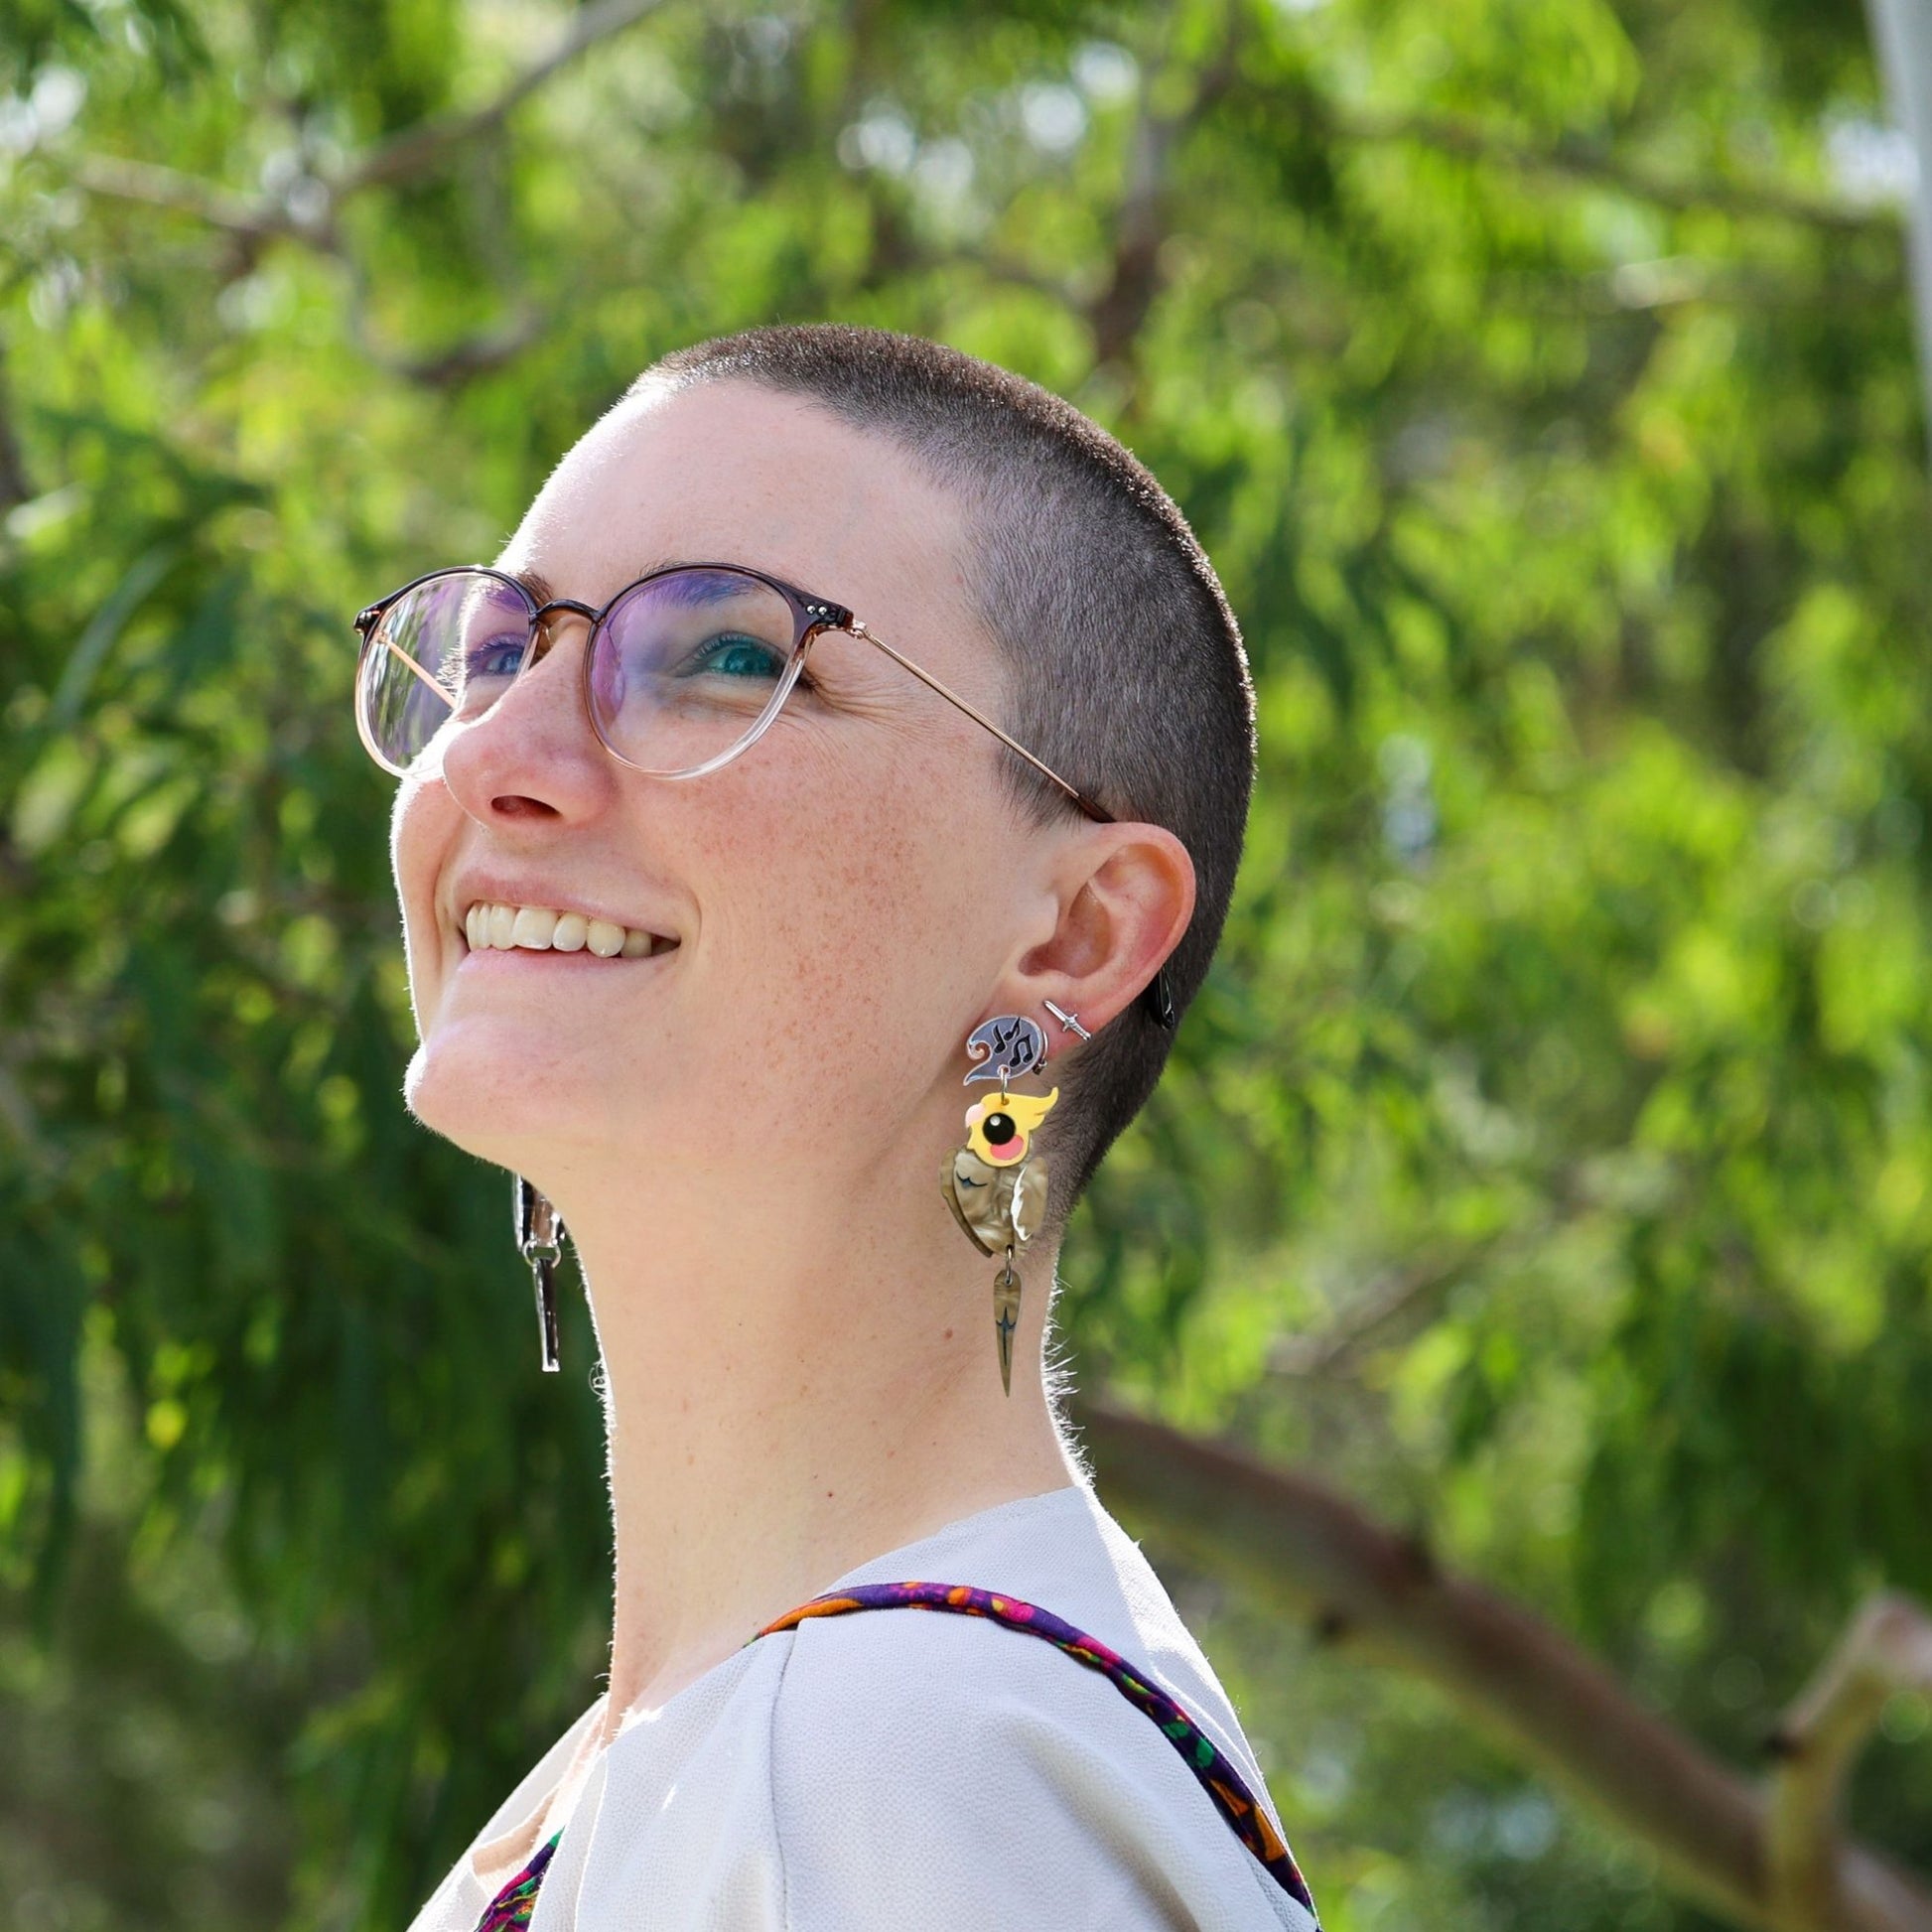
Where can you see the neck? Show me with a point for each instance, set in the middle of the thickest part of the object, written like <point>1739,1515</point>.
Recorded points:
<point>789,1393</point>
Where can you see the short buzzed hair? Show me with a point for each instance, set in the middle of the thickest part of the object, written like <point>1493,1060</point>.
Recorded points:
<point>1124,667</point>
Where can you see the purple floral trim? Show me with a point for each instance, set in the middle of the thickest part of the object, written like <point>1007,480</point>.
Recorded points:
<point>1217,1777</point>
<point>512,1906</point>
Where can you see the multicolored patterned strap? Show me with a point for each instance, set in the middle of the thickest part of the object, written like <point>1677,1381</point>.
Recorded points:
<point>1217,1777</point>
<point>511,1907</point>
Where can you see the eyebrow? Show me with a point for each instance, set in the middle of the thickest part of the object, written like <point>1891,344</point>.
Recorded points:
<point>540,587</point>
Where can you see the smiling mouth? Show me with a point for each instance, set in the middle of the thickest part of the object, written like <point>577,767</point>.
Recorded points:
<point>490,926</point>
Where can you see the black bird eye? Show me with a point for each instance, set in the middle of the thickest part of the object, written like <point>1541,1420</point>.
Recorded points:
<point>997,1129</point>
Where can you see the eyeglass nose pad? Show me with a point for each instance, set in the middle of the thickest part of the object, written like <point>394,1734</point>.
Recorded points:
<point>543,633</point>
<point>543,640</point>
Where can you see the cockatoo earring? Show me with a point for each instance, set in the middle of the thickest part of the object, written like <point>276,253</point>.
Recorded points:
<point>541,1241</point>
<point>996,1186</point>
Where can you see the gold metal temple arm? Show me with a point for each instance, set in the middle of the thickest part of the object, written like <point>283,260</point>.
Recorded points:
<point>858,629</point>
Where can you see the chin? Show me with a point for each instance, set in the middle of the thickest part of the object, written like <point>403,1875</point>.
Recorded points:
<point>498,1104</point>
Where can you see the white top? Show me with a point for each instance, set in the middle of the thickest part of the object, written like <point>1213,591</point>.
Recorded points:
<point>909,1768</point>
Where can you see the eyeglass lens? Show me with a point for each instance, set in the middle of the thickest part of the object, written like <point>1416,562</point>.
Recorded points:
<point>685,667</point>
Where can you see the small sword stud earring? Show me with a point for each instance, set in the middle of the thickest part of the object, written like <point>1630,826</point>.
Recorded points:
<point>1070,1022</point>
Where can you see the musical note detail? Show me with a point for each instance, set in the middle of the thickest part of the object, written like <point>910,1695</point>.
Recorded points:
<point>1007,1048</point>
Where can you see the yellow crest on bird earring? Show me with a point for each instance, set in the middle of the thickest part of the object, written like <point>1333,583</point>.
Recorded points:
<point>996,1184</point>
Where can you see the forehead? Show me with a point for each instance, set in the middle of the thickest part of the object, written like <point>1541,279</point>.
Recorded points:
<point>730,473</point>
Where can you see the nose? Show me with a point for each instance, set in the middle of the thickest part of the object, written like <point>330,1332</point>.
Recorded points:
<point>533,755</point>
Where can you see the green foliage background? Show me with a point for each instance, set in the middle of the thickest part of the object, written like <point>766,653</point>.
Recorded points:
<point>1548,1158</point>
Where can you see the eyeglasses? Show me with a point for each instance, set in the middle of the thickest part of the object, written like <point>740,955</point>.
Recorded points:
<point>686,668</point>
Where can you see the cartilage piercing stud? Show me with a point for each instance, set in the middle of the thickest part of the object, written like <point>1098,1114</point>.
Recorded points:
<point>1069,1020</point>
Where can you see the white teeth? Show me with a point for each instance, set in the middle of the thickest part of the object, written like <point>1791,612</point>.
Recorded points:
<point>533,928</point>
<point>490,926</point>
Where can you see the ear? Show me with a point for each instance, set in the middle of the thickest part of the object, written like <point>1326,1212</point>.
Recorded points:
<point>1125,894</point>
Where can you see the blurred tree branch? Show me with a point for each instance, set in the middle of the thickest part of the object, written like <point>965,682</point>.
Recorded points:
<point>1308,1550</point>
<point>1399,1292</point>
<point>1588,161</point>
<point>417,150</point>
<point>255,219</point>
<point>15,484</point>
<point>305,209</point>
<point>306,212</point>
<point>1143,220</point>
<point>1887,1648</point>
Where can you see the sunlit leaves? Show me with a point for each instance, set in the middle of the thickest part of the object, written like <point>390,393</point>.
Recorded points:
<point>1548,1155</point>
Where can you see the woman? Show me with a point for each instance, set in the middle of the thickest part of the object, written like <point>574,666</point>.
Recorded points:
<point>808,832</point>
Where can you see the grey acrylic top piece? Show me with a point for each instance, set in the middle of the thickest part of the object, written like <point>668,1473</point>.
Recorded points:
<point>1005,1047</point>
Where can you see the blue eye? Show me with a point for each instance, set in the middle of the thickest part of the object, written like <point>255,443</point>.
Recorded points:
<point>738,656</point>
<point>494,658</point>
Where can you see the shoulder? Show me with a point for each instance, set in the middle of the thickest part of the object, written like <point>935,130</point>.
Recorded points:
<point>900,1767</point>
<point>928,1763</point>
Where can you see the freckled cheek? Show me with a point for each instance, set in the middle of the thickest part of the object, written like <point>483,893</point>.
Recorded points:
<point>831,855</point>
<point>824,909</point>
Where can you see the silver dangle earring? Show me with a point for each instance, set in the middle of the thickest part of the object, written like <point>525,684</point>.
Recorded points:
<point>541,1241</point>
<point>995,1184</point>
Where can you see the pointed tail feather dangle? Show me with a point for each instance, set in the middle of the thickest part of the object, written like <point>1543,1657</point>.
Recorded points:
<point>541,1241</point>
<point>1006,1317</point>
<point>995,1184</point>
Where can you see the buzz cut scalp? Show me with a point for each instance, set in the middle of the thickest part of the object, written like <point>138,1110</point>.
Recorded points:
<point>1124,667</point>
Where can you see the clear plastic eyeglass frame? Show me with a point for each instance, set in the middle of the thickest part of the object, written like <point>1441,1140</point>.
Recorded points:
<point>810,616</point>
